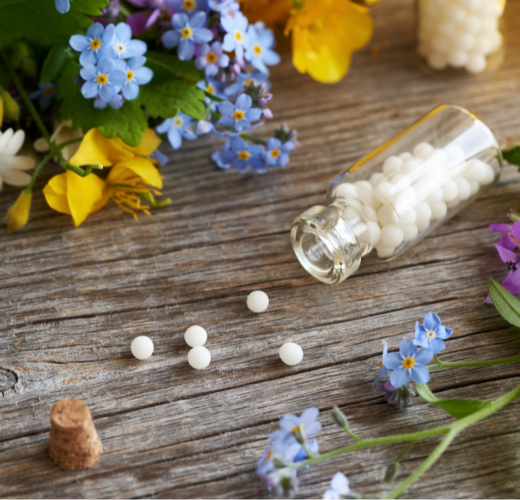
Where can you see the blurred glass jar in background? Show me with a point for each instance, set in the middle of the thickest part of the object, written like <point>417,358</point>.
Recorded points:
<point>460,37</point>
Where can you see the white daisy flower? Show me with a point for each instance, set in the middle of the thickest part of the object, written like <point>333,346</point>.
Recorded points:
<point>12,167</point>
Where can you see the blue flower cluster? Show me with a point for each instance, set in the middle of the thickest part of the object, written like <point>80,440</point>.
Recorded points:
<point>290,446</point>
<point>409,362</point>
<point>235,56</point>
<point>112,64</point>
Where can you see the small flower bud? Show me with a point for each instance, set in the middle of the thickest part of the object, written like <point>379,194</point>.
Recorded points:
<point>18,213</point>
<point>279,462</point>
<point>267,113</point>
<point>11,107</point>
<point>391,472</point>
<point>339,417</point>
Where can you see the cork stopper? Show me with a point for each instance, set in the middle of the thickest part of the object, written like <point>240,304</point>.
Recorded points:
<point>74,443</point>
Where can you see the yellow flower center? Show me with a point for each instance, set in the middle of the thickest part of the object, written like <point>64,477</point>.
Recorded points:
<point>249,81</point>
<point>210,89</point>
<point>408,363</point>
<point>186,32</point>
<point>275,153</point>
<point>238,36</point>
<point>102,79</point>
<point>211,57</point>
<point>381,365</point>
<point>257,49</point>
<point>189,5</point>
<point>95,44</point>
<point>48,90</point>
<point>177,122</point>
<point>129,75</point>
<point>431,334</point>
<point>239,115</point>
<point>269,455</point>
<point>244,155</point>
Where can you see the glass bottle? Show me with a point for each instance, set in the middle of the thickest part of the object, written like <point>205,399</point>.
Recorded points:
<point>460,37</point>
<point>399,193</point>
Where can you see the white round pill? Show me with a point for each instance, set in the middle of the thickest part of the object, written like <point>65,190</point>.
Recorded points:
<point>476,170</point>
<point>369,213</point>
<point>422,150</point>
<point>383,251</point>
<point>423,212</point>
<point>391,236</point>
<point>392,165</point>
<point>195,336</point>
<point>406,156</point>
<point>258,301</point>
<point>490,175</point>
<point>437,60</point>
<point>449,190</point>
<point>457,58</point>
<point>377,178</point>
<point>382,193</point>
<point>439,210</point>
<point>423,225</point>
<point>291,354</point>
<point>407,218</point>
<point>483,45</point>
<point>474,185</point>
<point>476,63</point>
<point>435,195</point>
<point>463,188</point>
<point>199,357</point>
<point>346,190</point>
<point>385,215</point>
<point>373,233</point>
<point>142,347</point>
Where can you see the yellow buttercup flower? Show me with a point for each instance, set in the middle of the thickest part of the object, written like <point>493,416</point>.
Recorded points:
<point>18,213</point>
<point>133,178</point>
<point>324,35</point>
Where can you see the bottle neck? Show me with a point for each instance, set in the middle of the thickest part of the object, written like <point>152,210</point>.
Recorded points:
<point>326,244</point>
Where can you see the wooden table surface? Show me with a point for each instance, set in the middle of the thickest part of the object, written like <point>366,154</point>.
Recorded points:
<point>72,300</point>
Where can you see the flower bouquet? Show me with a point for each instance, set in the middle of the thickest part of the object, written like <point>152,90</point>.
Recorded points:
<point>97,85</point>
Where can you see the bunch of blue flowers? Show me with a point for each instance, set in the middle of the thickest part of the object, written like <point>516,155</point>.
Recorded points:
<point>112,64</point>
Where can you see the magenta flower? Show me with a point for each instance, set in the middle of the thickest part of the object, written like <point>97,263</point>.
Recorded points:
<point>143,20</point>
<point>506,251</point>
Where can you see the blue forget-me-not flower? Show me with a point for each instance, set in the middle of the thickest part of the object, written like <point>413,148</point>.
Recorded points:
<point>408,363</point>
<point>176,129</point>
<point>63,6</point>
<point>259,51</point>
<point>236,37</point>
<point>136,74</point>
<point>339,487</point>
<point>432,334</point>
<point>239,115</point>
<point>241,155</point>
<point>187,32</point>
<point>103,79</point>
<point>124,46</point>
<point>96,45</point>
<point>211,58</point>
<point>277,154</point>
<point>383,370</point>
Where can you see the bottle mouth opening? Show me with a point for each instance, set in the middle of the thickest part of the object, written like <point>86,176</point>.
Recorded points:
<point>325,245</point>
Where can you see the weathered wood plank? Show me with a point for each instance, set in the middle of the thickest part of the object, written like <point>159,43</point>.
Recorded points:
<point>73,299</point>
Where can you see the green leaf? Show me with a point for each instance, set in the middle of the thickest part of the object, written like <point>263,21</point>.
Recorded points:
<point>460,408</point>
<point>53,64</point>
<point>512,154</point>
<point>167,66</point>
<point>40,22</point>
<point>128,122</point>
<point>165,99</point>
<point>424,391</point>
<point>506,303</point>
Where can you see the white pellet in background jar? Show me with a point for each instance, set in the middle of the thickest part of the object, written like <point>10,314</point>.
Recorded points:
<point>195,336</point>
<point>142,347</point>
<point>459,33</point>
<point>258,301</point>
<point>291,354</point>
<point>199,358</point>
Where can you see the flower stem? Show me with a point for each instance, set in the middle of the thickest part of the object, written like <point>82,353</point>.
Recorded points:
<point>25,97</point>
<point>40,165</point>
<point>253,139</point>
<point>473,364</point>
<point>404,451</point>
<point>61,145</point>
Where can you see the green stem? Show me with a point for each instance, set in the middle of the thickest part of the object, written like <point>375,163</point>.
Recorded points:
<point>432,458</point>
<point>253,139</point>
<point>25,97</point>
<point>40,165</point>
<point>352,435</point>
<point>213,96</point>
<point>413,436</point>
<point>61,145</point>
<point>472,364</point>
<point>404,452</point>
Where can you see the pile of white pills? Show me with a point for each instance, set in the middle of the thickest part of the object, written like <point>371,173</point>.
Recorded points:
<point>198,357</point>
<point>459,33</point>
<point>411,191</point>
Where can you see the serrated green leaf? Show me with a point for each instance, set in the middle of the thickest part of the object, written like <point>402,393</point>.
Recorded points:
<point>512,154</point>
<point>506,303</point>
<point>40,22</point>
<point>53,64</point>
<point>460,408</point>
<point>167,66</point>
<point>424,391</point>
<point>165,99</point>
<point>128,122</point>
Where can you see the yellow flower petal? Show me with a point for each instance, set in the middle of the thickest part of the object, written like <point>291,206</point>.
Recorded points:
<point>18,213</point>
<point>141,167</point>
<point>77,196</point>
<point>151,141</point>
<point>325,33</point>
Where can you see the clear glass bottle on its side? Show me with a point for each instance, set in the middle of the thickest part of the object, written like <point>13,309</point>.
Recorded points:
<point>460,37</point>
<point>399,193</point>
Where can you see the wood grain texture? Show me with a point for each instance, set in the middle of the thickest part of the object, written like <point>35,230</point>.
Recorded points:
<point>72,300</point>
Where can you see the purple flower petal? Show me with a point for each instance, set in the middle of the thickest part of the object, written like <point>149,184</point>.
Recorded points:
<point>500,227</point>
<point>138,22</point>
<point>505,254</point>
<point>515,230</point>
<point>507,242</point>
<point>512,282</point>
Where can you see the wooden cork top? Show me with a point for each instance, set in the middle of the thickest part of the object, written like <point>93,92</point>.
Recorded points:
<point>70,414</point>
